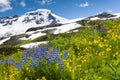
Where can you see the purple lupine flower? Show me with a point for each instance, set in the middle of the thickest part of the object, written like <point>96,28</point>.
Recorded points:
<point>32,63</point>
<point>46,56</point>
<point>51,52</point>
<point>103,30</point>
<point>57,59</point>
<point>56,52</point>
<point>37,55</point>
<point>51,57</point>
<point>65,54</point>
<point>9,61</point>
<point>42,49</point>
<point>23,59</point>
<point>37,63</point>
<point>30,53</point>
<point>12,61</point>
<point>18,66</point>
<point>25,51</point>
<point>56,55</point>
<point>49,60</point>
<point>0,62</point>
<point>61,65</point>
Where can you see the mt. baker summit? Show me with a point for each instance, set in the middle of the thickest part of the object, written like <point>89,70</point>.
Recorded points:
<point>17,25</point>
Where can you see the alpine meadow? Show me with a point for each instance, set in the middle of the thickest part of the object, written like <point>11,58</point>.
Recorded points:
<point>39,45</point>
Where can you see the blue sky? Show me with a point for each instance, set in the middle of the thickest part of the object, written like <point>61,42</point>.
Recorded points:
<point>65,8</point>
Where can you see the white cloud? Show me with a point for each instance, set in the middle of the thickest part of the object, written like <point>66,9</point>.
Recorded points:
<point>5,5</point>
<point>86,4</point>
<point>45,2</point>
<point>110,11</point>
<point>22,3</point>
<point>100,12</point>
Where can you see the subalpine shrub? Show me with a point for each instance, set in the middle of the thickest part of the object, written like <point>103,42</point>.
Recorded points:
<point>7,50</point>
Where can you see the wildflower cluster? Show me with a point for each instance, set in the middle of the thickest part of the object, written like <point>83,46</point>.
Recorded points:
<point>41,55</point>
<point>36,57</point>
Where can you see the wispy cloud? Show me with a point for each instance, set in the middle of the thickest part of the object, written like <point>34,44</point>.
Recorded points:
<point>100,12</point>
<point>5,5</point>
<point>22,3</point>
<point>86,4</point>
<point>45,2</point>
<point>110,11</point>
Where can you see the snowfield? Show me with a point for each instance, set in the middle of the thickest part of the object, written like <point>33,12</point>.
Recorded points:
<point>35,44</point>
<point>4,40</point>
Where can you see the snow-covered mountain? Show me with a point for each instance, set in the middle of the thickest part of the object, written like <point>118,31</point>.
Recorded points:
<point>104,16</point>
<point>38,23</point>
<point>15,25</point>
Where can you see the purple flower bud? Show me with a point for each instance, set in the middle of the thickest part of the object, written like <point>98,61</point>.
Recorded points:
<point>0,62</point>
<point>18,66</point>
<point>103,30</point>
<point>65,54</point>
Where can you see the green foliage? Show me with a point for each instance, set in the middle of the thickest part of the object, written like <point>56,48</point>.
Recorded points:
<point>97,23</point>
<point>42,38</point>
<point>51,72</point>
<point>7,50</point>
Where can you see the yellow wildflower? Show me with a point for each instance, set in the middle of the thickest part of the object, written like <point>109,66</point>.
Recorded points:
<point>116,54</point>
<point>43,78</point>
<point>26,78</point>
<point>84,60</point>
<point>6,78</point>
<point>38,79</point>
<point>11,77</point>
<point>118,37</point>
<point>27,69</point>
<point>95,41</point>
<point>100,78</point>
<point>67,65</point>
<point>57,65</point>
<point>79,65</point>
<point>90,43</point>
<point>109,31</point>
<point>86,71</point>
<point>101,53</point>
<point>100,45</point>
<point>81,78</point>
<point>108,49</point>
<point>105,40</point>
